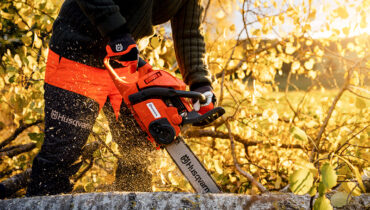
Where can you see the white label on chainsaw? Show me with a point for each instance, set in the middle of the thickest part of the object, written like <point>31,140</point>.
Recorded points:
<point>153,110</point>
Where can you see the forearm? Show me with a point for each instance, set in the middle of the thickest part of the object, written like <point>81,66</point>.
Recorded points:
<point>104,14</point>
<point>189,43</point>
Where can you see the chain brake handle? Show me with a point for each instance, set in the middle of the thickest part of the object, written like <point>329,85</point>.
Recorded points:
<point>120,83</point>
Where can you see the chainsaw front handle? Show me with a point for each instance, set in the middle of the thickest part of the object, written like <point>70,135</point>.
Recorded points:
<point>155,92</point>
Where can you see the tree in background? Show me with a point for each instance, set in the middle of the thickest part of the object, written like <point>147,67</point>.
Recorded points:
<point>291,75</point>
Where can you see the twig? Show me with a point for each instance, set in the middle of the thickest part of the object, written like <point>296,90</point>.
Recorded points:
<point>18,131</point>
<point>350,193</point>
<point>353,136</point>
<point>326,121</point>
<point>223,135</point>
<point>89,149</point>
<point>353,92</point>
<point>91,163</point>
<point>224,69</point>
<point>206,11</point>
<point>244,173</point>
<point>26,3</point>
<point>19,149</point>
<point>286,95</point>
<point>106,146</point>
<point>363,147</point>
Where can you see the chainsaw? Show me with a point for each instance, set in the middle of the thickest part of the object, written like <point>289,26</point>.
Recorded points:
<point>161,106</point>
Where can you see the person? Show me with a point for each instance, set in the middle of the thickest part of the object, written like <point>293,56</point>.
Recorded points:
<point>77,86</point>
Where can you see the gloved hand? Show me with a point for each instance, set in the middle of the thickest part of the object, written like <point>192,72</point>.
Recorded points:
<point>122,48</point>
<point>207,91</point>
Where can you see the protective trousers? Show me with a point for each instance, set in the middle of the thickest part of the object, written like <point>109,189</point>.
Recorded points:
<point>74,95</point>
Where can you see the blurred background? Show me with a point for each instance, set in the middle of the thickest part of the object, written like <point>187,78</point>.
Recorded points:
<point>293,76</point>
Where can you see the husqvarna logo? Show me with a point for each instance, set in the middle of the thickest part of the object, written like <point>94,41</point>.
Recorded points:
<point>119,47</point>
<point>153,110</point>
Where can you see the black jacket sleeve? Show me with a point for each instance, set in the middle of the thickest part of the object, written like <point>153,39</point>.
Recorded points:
<point>189,44</point>
<point>104,14</point>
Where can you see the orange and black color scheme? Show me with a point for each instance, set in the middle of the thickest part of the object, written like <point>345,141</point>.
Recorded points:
<point>160,103</point>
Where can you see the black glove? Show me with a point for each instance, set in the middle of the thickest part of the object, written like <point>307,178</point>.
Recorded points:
<point>207,91</point>
<point>121,46</point>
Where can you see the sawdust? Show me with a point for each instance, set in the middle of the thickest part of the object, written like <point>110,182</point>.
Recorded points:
<point>132,172</point>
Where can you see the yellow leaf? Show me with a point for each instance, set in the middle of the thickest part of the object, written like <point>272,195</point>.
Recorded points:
<point>218,166</point>
<point>312,74</point>
<point>232,27</point>
<point>346,30</point>
<point>309,64</point>
<point>295,65</point>
<point>339,199</point>
<point>37,42</point>
<point>281,17</point>
<point>172,179</point>
<point>357,173</point>
<point>6,15</point>
<point>309,42</point>
<point>355,79</point>
<point>278,182</point>
<point>350,187</point>
<point>154,42</point>
<point>301,181</point>
<point>108,139</point>
<point>363,22</point>
<point>342,12</point>
<point>328,175</point>
<point>220,14</point>
<point>312,15</point>
<point>18,61</point>
<point>322,203</point>
<point>257,3</point>
<point>298,134</point>
<point>290,49</point>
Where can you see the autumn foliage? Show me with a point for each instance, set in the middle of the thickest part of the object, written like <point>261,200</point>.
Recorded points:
<point>292,75</point>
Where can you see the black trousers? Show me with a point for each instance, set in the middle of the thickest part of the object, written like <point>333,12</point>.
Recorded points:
<point>69,118</point>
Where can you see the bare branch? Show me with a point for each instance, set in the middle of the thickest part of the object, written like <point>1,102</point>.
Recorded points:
<point>223,135</point>
<point>106,146</point>
<point>19,149</point>
<point>224,69</point>
<point>18,131</point>
<point>91,163</point>
<point>357,94</point>
<point>206,10</point>
<point>349,139</point>
<point>327,118</point>
<point>244,173</point>
<point>19,181</point>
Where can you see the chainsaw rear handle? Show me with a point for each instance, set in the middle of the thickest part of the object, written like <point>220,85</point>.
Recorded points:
<point>155,92</point>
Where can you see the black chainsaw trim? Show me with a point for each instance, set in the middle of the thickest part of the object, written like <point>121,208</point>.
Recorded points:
<point>158,92</point>
<point>201,120</point>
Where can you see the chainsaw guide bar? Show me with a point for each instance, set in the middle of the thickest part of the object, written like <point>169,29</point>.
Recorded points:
<point>191,167</point>
<point>161,106</point>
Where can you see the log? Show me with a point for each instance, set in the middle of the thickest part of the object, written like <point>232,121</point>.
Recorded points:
<point>14,183</point>
<point>171,200</point>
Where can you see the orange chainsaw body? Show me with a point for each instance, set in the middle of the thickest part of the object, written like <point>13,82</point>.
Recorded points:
<point>152,110</point>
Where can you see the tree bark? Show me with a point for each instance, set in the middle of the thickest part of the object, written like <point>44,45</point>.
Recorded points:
<point>14,183</point>
<point>172,200</point>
